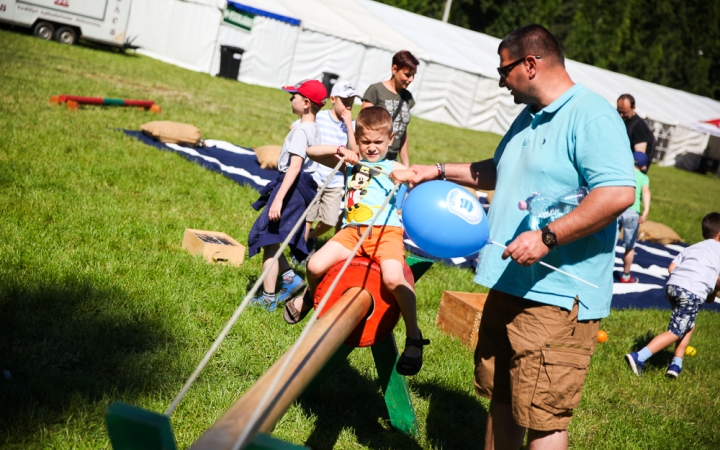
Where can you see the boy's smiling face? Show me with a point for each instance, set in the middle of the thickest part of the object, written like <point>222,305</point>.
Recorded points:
<point>374,144</point>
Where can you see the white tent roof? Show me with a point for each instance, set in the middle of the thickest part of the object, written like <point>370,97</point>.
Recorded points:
<point>378,25</point>
<point>344,19</point>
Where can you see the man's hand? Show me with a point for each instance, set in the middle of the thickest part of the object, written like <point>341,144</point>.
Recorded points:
<point>346,117</point>
<point>275,210</point>
<point>642,218</point>
<point>351,157</point>
<point>527,248</point>
<point>423,174</point>
<point>402,176</point>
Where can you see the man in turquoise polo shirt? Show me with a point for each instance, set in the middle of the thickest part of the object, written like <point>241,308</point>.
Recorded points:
<point>539,327</point>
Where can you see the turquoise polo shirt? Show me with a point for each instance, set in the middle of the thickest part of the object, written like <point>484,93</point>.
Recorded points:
<point>578,140</point>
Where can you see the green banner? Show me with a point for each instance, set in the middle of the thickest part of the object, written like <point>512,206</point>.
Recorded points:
<point>238,18</point>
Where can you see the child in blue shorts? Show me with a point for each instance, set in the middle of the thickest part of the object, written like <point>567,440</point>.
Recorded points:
<point>285,199</point>
<point>694,278</point>
<point>631,219</point>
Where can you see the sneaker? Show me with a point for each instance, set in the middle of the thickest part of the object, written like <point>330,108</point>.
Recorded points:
<point>635,365</point>
<point>270,305</point>
<point>288,290</point>
<point>629,279</point>
<point>673,371</point>
<point>258,300</point>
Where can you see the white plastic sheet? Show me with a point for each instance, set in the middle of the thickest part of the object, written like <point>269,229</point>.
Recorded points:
<point>177,32</point>
<point>270,53</point>
<point>317,53</point>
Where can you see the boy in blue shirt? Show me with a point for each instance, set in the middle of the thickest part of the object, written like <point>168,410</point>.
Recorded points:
<point>368,185</point>
<point>694,278</point>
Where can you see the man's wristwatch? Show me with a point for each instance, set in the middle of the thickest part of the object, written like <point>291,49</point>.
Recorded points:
<point>548,237</point>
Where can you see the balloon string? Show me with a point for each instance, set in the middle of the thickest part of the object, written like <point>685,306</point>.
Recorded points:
<point>550,267</point>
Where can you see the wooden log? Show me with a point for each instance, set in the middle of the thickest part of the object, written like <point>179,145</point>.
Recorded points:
<point>324,339</point>
<point>459,315</point>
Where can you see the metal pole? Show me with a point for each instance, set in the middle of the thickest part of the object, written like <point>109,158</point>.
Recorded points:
<point>446,14</point>
<point>325,337</point>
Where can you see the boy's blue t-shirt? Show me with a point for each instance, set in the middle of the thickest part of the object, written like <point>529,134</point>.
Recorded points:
<point>365,192</point>
<point>578,140</point>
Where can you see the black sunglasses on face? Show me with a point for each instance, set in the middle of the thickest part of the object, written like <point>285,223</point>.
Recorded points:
<point>504,71</point>
<point>348,102</point>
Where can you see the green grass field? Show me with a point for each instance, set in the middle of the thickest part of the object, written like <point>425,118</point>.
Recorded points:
<point>98,301</point>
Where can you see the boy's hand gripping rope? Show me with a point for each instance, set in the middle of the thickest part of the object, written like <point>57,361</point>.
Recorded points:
<point>250,429</point>
<point>223,334</point>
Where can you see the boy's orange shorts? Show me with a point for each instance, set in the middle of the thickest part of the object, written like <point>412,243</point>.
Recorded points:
<point>382,243</point>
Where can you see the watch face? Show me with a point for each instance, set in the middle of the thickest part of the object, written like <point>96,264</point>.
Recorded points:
<point>549,238</point>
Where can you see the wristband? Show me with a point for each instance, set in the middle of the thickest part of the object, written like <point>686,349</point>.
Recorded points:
<point>338,152</point>
<point>441,170</point>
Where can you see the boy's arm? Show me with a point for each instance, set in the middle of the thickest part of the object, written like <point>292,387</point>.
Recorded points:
<point>351,143</point>
<point>328,155</point>
<point>671,267</point>
<point>275,211</point>
<point>646,203</point>
<point>404,155</point>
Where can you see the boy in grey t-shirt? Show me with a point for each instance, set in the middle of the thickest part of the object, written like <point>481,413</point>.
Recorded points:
<point>694,278</point>
<point>284,200</point>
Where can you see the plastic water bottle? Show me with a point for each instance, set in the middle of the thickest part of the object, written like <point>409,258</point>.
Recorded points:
<point>545,208</point>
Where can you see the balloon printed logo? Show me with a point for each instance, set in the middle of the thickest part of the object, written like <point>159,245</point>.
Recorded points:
<point>463,205</point>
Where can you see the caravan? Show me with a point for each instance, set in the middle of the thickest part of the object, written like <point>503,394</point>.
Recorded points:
<point>103,21</point>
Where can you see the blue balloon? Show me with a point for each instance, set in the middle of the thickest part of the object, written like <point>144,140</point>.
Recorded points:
<point>445,220</point>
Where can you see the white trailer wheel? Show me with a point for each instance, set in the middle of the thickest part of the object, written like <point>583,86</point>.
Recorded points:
<point>66,35</point>
<point>44,30</point>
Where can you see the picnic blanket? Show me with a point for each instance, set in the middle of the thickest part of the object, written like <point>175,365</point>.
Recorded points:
<point>650,264</point>
<point>649,267</point>
<point>237,163</point>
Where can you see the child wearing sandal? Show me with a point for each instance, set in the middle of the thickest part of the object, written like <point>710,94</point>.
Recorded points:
<point>286,198</point>
<point>367,186</point>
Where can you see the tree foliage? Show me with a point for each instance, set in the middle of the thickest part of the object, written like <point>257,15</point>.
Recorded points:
<point>675,43</point>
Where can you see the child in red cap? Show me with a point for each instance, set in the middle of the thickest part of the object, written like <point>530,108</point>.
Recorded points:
<point>288,196</point>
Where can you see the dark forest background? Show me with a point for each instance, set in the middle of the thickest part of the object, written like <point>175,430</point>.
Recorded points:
<point>675,43</point>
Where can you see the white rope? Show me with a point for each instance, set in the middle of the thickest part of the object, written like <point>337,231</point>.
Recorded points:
<point>219,340</point>
<point>250,429</point>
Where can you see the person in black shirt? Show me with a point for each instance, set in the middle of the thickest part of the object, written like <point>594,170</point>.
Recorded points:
<point>641,137</point>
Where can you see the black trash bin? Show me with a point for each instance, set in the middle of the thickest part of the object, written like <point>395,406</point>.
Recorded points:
<point>329,80</point>
<point>230,58</point>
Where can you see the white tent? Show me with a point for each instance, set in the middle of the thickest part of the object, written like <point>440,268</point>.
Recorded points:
<point>457,83</point>
<point>183,33</point>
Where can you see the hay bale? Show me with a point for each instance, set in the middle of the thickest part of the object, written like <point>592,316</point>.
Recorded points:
<point>658,233</point>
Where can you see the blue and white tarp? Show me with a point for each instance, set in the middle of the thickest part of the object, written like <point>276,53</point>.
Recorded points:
<point>649,267</point>
<point>237,163</point>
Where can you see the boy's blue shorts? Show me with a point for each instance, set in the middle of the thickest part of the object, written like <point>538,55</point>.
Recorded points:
<point>685,309</point>
<point>628,221</point>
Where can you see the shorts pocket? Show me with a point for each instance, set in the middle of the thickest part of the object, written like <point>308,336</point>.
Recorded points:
<point>561,378</point>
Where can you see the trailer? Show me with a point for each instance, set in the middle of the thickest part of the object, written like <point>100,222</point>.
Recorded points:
<point>103,21</point>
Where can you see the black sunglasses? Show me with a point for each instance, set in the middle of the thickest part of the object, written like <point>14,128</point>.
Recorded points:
<point>504,71</point>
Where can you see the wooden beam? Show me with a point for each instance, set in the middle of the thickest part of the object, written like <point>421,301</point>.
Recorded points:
<point>324,339</point>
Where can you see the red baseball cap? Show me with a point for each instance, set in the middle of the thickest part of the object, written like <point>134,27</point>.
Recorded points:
<point>313,90</point>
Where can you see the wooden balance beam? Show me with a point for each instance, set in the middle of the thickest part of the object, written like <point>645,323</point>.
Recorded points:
<point>324,339</point>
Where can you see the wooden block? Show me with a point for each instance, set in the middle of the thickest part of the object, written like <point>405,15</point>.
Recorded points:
<point>459,315</point>
<point>215,246</point>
